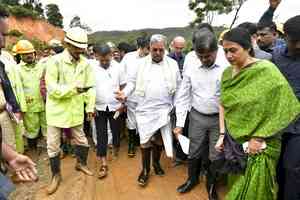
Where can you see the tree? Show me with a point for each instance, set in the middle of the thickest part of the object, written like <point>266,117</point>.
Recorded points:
<point>207,9</point>
<point>39,9</point>
<point>76,22</point>
<point>53,15</point>
<point>10,2</point>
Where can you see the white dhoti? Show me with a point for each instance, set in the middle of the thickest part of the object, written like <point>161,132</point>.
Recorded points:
<point>150,123</point>
<point>131,118</point>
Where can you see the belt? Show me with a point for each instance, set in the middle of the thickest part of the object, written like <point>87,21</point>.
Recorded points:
<point>206,114</point>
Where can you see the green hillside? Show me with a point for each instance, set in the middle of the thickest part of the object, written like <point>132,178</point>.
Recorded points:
<point>130,36</point>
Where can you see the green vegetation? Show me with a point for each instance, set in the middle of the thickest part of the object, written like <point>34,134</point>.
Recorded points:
<point>33,9</point>
<point>20,11</point>
<point>206,10</point>
<point>130,36</point>
<point>15,33</point>
<point>54,16</point>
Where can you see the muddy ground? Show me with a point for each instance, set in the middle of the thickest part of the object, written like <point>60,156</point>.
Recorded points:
<point>119,185</point>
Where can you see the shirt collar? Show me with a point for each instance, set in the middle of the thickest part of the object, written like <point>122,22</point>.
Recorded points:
<point>67,57</point>
<point>209,68</point>
<point>160,63</point>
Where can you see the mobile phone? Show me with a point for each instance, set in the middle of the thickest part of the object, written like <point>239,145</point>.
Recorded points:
<point>84,89</point>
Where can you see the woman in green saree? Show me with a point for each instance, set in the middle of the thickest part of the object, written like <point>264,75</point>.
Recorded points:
<point>256,104</point>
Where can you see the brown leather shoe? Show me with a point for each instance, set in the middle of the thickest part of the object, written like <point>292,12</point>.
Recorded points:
<point>103,171</point>
<point>84,169</point>
<point>55,181</point>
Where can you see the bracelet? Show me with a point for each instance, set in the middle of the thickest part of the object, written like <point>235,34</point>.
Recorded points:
<point>222,133</point>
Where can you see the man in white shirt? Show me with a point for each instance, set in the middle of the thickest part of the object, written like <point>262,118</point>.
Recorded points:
<point>109,79</point>
<point>129,62</point>
<point>155,82</point>
<point>199,92</point>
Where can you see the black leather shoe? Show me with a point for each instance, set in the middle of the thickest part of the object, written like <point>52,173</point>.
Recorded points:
<point>143,178</point>
<point>212,192</point>
<point>158,170</point>
<point>187,186</point>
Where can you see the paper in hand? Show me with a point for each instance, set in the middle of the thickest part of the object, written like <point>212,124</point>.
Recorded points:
<point>116,115</point>
<point>184,143</point>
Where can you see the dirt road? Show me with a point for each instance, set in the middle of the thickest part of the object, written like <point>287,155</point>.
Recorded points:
<point>120,184</point>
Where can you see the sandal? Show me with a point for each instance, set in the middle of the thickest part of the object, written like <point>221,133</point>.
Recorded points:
<point>103,171</point>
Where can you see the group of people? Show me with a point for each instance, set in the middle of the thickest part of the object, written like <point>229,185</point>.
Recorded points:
<point>236,98</point>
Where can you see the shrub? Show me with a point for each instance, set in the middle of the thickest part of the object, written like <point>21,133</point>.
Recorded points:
<point>20,11</point>
<point>15,33</point>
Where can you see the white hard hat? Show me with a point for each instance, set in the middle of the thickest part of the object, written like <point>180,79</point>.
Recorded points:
<point>77,37</point>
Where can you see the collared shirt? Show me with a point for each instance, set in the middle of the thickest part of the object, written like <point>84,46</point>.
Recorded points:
<point>289,67</point>
<point>179,59</point>
<point>200,87</point>
<point>8,90</point>
<point>129,64</point>
<point>278,43</point>
<point>260,54</point>
<point>108,81</point>
<point>13,74</point>
<point>7,59</point>
<point>153,108</point>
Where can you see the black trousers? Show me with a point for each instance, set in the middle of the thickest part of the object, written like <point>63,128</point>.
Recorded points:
<point>288,173</point>
<point>101,128</point>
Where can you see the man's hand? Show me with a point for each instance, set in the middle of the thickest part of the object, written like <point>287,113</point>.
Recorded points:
<point>274,3</point>
<point>90,116</point>
<point>120,96</point>
<point>220,144</point>
<point>24,168</point>
<point>19,115</point>
<point>177,131</point>
<point>121,109</point>
<point>255,146</point>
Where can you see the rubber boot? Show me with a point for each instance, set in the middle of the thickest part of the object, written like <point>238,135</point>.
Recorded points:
<point>144,175</point>
<point>56,175</point>
<point>81,153</point>
<point>131,143</point>
<point>137,139</point>
<point>211,180</point>
<point>193,176</point>
<point>156,153</point>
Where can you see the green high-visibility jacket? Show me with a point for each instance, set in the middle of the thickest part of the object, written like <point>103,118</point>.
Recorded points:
<point>64,105</point>
<point>31,75</point>
<point>13,74</point>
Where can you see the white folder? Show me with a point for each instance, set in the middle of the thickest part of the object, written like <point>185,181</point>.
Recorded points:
<point>184,143</point>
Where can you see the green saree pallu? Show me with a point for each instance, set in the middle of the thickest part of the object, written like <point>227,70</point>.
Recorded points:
<point>258,102</point>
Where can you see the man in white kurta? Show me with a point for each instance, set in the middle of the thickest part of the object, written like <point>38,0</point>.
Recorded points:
<point>129,63</point>
<point>155,82</point>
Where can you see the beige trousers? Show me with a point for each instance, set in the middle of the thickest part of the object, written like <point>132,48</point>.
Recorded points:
<point>54,139</point>
<point>8,131</point>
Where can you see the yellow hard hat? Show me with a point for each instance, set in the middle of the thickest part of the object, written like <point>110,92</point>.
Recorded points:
<point>14,50</point>
<point>279,27</point>
<point>23,47</point>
